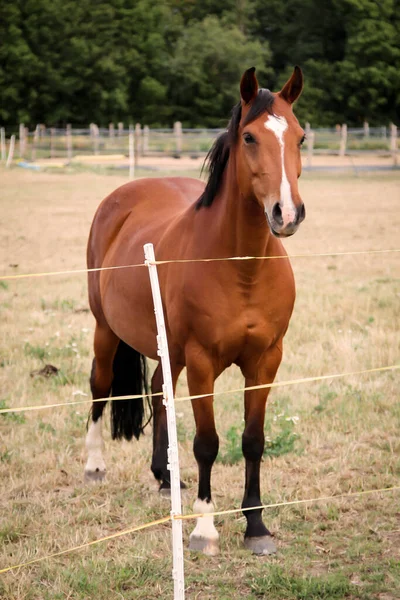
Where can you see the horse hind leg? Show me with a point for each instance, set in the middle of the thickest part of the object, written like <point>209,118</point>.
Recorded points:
<point>105,346</point>
<point>159,463</point>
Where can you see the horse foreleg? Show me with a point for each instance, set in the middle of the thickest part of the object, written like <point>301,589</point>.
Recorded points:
<point>159,463</point>
<point>105,345</point>
<point>205,446</point>
<point>257,537</point>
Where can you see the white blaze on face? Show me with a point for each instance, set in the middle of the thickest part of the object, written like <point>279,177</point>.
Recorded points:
<point>278,125</point>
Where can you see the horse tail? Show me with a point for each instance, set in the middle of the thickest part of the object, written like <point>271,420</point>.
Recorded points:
<point>130,378</point>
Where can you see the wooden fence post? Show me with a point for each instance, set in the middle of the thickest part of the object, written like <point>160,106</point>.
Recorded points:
<point>3,143</point>
<point>131,154</point>
<point>178,137</point>
<point>35,143</point>
<point>94,134</point>
<point>26,140</point>
<point>343,140</point>
<point>69,141</point>
<point>120,129</point>
<point>366,129</point>
<point>111,131</point>
<point>138,141</point>
<point>393,143</point>
<point>21,140</point>
<point>52,134</point>
<point>310,147</point>
<point>10,151</point>
<point>146,135</point>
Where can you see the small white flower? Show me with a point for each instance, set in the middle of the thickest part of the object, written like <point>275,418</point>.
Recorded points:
<point>294,419</point>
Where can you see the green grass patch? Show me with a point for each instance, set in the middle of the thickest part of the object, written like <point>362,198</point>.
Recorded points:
<point>278,584</point>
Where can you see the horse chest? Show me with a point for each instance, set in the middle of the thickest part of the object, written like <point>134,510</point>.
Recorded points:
<point>241,330</point>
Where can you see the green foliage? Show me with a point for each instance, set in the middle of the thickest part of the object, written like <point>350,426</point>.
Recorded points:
<point>232,453</point>
<point>156,61</point>
<point>36,351</point>
<point>280,439</point>
<point>5,455</point>
<point>206,74</point>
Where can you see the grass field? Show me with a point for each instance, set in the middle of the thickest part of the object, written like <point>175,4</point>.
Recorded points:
<point>345,439</point>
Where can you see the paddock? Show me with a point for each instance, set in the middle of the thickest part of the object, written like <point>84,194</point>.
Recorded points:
<point>323,438</point>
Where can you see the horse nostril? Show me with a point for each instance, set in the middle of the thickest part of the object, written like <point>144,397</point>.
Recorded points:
<point>277,214</point>
<point>302,213</point>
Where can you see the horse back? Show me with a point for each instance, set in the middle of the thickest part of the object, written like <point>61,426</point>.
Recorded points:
<point>152,203</point>
<point>148,199</point>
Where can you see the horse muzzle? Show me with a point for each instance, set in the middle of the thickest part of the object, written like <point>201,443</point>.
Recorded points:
<point>283,224</point>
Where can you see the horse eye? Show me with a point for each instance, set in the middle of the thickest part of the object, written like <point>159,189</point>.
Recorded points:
<point>249,139</point>
<point>302,140</point>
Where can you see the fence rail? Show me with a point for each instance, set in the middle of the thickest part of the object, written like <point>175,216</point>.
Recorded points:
<point>74,143</point>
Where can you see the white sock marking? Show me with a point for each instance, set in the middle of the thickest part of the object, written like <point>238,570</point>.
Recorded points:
<point>205,527</point>
<point>278,125</point>
<point>94,445</point>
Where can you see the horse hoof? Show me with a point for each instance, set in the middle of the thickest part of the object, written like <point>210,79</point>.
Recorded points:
<point>262,545</point>
<point>95,476</point>
<point>204,545</point>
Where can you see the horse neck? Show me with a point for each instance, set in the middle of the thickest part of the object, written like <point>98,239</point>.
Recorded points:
<point>238,222</point>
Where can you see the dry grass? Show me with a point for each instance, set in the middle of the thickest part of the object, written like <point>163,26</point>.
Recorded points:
<point>346,318</point>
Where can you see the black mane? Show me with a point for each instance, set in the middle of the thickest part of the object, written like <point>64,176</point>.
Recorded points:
<point>217,157</point>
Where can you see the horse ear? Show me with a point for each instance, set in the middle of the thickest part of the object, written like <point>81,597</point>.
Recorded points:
<point>292,88</point>
<point>248,85</point>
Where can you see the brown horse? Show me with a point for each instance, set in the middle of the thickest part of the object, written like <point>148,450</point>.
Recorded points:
<point>216,313</point>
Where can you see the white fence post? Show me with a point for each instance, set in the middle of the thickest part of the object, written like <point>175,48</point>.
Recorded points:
<point>366,129</point>
<point>3,143</point>
<point>173,458</point>
<point>131,154</point>
<point>343,140</point>
<point>10,151</point>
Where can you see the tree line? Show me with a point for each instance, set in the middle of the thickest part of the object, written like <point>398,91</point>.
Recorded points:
<point>159,61</point>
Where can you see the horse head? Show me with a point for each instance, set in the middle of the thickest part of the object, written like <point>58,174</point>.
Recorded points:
<point>268,140</point>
